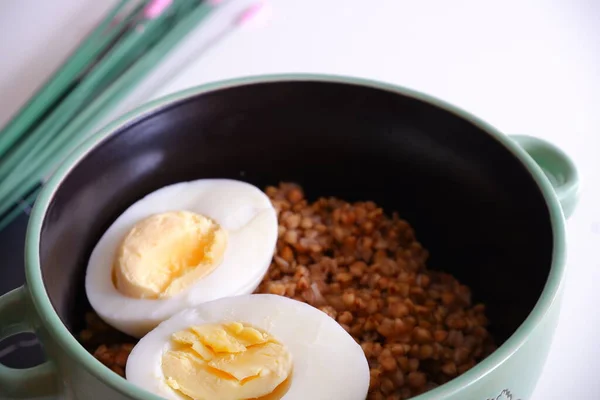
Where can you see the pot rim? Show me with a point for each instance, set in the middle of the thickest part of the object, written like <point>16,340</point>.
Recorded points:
<point>69,344</point>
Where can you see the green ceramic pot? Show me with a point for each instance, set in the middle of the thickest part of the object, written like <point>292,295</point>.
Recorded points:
<point>489,207</point>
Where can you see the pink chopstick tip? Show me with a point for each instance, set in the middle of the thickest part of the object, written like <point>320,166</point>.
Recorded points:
<point>253,13</point>
<point>156,8</point>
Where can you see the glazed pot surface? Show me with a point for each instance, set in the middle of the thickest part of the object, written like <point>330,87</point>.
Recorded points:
<point>474,202</point>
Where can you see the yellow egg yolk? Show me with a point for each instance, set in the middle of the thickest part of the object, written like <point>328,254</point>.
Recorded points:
<point>230,361</point>
<point>166,253</point>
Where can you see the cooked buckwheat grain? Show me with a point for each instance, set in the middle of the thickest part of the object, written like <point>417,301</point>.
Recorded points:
<point>417,327</point>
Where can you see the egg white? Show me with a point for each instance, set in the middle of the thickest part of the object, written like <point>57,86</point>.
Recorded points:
<point>242,209</point>
<point>327,362</point>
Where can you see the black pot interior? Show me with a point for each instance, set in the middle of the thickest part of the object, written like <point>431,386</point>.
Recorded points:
<point>472,203</point>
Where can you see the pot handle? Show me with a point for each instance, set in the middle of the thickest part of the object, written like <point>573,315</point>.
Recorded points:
<point>15,317</point>
<point>558,168</point>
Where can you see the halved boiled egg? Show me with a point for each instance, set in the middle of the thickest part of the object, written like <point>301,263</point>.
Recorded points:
<point>257,346</point>
<point>180,246</point>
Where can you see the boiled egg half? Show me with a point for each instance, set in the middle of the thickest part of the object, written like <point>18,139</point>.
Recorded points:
<point>257,346</point>
<point>180,246</point>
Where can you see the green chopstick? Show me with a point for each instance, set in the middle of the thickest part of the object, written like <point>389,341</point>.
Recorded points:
<point>95,43</point>
<point>21,149</point>
<point>117,59</point>
<point>20,184</point>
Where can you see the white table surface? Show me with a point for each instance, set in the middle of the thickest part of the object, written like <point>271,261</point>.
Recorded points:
<point>524,66</point>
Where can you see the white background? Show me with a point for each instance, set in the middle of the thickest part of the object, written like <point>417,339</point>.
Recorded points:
<point>527,67</point>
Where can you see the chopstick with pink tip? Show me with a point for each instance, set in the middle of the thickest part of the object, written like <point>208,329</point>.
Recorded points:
<point>65,139</point>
